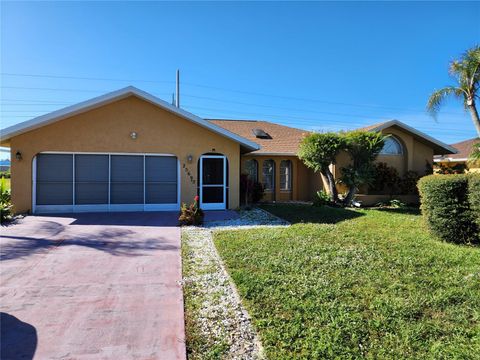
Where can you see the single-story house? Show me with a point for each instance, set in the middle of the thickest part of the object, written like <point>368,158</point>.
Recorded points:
<point>131,151</point>
<point>464,149</point>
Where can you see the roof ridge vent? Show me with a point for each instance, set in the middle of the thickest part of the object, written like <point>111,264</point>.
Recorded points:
<point>261,134</point>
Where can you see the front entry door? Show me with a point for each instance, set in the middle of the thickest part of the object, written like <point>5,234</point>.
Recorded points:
<point>213,179</point>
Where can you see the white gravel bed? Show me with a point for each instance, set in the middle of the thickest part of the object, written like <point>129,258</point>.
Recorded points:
<point>254,217</point>
<point>219,315</point>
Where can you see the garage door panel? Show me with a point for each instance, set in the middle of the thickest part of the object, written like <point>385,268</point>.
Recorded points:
<point>54,193</point>
<point>91,193</point>
<point>161,193</point>
<point>126,193</point>
<point>160,169</point>
<point>54,179</point>
<point>161,180</point>
<point>126,168</point>
<point>91,168</point>
<point>54,167</point>
<point>91,179</point>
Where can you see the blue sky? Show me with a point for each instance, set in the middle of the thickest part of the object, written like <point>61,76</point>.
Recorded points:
<point>323,66</point>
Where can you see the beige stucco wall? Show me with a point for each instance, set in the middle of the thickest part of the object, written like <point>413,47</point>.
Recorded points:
<point>108,128</point>
<point>415,156</point>
<point>304,181</point>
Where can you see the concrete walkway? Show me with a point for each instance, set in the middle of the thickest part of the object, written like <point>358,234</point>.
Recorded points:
<point>92,286</point>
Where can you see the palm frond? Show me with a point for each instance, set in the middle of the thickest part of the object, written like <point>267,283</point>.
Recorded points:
<point>439,96</point>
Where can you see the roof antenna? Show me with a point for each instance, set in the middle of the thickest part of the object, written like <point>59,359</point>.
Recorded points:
<point>173,99</point>
<point>177,102</point>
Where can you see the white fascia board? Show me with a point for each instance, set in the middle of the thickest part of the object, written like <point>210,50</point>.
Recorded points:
<point>416,132</point>
<point>270,154</point>
<point>8,133</point>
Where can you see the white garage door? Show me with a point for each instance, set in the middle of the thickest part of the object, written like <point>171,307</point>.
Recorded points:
<point>105,182</point>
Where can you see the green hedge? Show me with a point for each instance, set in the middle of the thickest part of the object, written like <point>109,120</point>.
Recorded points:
<point>445,202</point>
<point>474,196</point>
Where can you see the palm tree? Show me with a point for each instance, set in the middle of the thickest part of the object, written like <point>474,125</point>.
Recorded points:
<point>466,72</point>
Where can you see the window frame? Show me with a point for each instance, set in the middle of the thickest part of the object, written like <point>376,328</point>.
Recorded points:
<point>396,141</point>
<point>272,189</point>
<point>287,174</point>
<point>255,165</point>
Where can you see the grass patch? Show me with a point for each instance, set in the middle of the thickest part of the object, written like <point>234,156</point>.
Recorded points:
<point>297,213</point>
<point>356,284</point>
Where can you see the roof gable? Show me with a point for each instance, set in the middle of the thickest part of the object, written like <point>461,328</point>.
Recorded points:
<point>464,149</point>
<point>111,97</point>
<point>439,147</point>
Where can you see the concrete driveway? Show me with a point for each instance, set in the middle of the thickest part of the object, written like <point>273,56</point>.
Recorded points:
<point>92,286</point>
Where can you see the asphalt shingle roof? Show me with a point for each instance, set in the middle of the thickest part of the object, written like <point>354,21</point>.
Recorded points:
<point>284,139</point>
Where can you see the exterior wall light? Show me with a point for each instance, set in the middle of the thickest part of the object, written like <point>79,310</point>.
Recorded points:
<point>189,159</point>
<point>133,135</point>
<point>18,155</point>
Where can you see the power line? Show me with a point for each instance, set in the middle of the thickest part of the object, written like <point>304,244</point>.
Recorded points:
<point>299,119</point>
<point>86,78</point>
<point>215,88</point>
<point>236,102</point>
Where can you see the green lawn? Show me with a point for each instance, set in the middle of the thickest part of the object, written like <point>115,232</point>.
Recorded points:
<point>356,284</point>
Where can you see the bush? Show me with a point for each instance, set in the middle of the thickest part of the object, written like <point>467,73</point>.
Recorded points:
<point>5,174</point>
<point>474,196</point>
<point>385,179</point>
<point>446,209</point>
<point>251,192</point>
<point>321,198</point>
<point>408,184</point>
<point>5,202</point>
<point>191,214</point>
<point>459,168</point>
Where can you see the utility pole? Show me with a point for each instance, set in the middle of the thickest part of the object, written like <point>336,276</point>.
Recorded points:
<point>177,100</point>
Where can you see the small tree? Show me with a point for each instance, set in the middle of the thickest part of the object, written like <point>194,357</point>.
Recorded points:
<point>363,148</point>
<point>318,151</point>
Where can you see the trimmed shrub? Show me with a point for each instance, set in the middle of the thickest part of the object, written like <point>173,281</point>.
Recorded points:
<point>446,209</point>
<point>321,198</point>
<point>474,196</point>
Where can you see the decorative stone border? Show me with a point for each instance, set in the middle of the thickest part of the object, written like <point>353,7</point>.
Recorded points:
<point>219,316</point>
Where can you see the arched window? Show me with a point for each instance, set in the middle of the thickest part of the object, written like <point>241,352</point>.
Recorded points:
<point>251,169</point>
<point>268,175</point>
<point>286,175</point>
<point>392,147</point>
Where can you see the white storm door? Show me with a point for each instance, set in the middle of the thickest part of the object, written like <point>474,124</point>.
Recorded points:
<point>213,182</point>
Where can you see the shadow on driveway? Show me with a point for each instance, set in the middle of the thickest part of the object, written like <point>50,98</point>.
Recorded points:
<point>119,234</point>
<point>18,339</point>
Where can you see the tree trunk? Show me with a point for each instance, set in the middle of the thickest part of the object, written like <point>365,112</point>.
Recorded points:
<point>350,195</point>
<point>331,185</point>
<point>475,117</point>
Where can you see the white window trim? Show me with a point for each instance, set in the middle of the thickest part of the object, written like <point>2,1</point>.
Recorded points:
<point>36,209</point>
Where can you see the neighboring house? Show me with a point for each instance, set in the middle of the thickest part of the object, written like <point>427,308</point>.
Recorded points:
<point>464,149</point>
<point>131,151</point>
